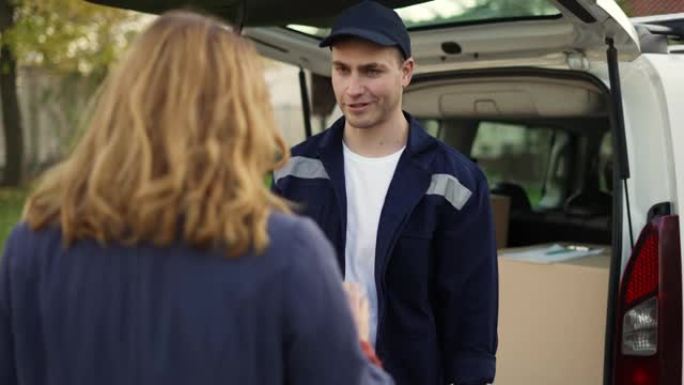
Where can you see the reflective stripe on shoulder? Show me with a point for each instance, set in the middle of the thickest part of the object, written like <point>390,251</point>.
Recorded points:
<point>450,188</point>
<point>302,167</point>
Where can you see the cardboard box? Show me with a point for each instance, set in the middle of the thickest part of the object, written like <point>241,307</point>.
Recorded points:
<point>500,211</point>
<point>552,320</point>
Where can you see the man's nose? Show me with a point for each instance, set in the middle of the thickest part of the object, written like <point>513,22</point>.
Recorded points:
<point>355,87</point>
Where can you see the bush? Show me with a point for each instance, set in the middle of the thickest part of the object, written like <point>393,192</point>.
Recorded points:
<point>11,204</point>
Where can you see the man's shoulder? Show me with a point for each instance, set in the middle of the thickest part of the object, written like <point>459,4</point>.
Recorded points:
<point>448,160</point>
<point>440,159</point>
<point>309,147</point>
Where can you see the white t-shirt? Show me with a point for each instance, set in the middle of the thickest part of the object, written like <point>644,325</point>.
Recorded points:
<point>367,181</point>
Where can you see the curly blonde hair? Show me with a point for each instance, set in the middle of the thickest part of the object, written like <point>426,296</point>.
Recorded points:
<point>178,147</point>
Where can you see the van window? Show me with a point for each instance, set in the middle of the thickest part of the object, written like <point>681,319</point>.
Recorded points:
<point>522,155</point>
<point>605,163</point>
<point>435,13</point>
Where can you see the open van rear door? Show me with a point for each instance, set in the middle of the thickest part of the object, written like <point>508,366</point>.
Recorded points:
<point>576,34</point>
<point>560,33</point>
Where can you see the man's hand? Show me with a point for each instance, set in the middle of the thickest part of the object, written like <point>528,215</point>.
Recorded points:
<point>360,309</point>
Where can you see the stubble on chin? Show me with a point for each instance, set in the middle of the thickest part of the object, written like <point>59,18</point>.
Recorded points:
<point>365,121</point>
<point>359,123</point>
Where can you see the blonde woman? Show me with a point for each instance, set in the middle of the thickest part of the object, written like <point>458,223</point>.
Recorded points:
<point>154,254</point>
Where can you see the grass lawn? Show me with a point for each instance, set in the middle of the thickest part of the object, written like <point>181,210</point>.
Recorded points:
<point>11,204</point>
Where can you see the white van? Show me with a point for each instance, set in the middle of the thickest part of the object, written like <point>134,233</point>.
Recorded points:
<point>575,113</point>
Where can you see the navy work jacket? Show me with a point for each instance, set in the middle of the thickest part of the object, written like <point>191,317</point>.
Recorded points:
<point>435,264</point>
<point>133,315</point>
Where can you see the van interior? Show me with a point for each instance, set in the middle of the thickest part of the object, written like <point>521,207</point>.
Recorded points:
<point>544,141</point>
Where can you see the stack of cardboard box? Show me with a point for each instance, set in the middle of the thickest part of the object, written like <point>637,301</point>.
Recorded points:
<point>552,316</point>
<point>552,319</point>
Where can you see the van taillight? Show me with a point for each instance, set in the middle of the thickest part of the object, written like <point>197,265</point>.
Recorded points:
<point>649,322</point>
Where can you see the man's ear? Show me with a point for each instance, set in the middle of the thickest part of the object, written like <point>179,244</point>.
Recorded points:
<point>407,71</point>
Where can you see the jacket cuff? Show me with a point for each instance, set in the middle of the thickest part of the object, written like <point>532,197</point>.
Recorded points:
<point>469,369</point>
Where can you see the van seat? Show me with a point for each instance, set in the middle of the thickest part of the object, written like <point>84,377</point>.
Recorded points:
<point>518,196</point>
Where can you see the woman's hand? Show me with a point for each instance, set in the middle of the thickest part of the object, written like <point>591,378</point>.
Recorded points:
<point>360,309</point>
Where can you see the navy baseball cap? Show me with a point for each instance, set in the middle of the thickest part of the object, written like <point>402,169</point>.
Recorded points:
<point>371,21</point>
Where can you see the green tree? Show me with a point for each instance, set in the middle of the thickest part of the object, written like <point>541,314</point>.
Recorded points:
<point>67,36</point>
<point>71,35</point>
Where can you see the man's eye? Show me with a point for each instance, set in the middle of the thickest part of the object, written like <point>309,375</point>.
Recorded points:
<point>373,72</point>
<point>342,70</point>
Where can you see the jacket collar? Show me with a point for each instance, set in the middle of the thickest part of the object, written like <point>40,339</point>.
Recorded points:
<point>418,141</point>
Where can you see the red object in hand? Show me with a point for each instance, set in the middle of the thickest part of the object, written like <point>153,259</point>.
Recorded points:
<point>370,353</point>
